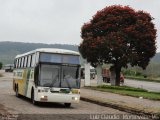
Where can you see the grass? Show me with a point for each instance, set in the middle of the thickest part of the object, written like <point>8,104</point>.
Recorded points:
<point>143,79</point>
<point>127,88</point>
<point>130,91</point>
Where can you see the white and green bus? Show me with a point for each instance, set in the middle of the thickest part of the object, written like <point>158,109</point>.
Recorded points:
<point>48,75</point>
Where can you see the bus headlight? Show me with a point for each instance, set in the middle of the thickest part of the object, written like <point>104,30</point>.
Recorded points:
<point>44,98</point>
<point>75,98</point>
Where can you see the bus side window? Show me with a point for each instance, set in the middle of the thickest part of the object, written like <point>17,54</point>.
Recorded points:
<point>37,57</point>
<point>36,74</point>
<point>33,60</point>
<point>22,62</point>
<point>29,61</point>
<point>25,61</point>
<point>19,64</point>
<point>15,61</point>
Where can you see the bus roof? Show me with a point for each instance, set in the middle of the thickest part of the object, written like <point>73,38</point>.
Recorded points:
<point>50,50</point>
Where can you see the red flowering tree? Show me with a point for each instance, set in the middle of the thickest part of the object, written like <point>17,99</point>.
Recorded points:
<point>119,35</point>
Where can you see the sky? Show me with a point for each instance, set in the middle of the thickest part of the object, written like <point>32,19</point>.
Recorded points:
<point>59,21</point>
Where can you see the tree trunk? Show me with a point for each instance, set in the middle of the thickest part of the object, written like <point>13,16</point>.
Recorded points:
<point>87,74</point>
<point>117,71</point>
<point>113,76</point>
<point>99,75</point>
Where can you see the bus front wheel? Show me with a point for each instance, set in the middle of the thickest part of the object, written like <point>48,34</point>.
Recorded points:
<point>32,98</point>
<point>67,105</point>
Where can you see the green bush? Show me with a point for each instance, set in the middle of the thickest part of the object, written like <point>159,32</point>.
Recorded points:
<point>133,73</point>
<point>139,74</point>
<point>129,72</point>
<point>145,76</point>
<point>122,88</point>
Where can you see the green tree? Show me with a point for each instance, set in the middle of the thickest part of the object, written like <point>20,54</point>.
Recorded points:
<point>119,35</point>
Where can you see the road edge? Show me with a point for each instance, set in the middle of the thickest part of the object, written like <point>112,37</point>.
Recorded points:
<point>122,108</point>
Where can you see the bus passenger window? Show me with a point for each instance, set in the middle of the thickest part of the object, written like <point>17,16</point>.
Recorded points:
<point>33,60</point>
<point>29,61</point>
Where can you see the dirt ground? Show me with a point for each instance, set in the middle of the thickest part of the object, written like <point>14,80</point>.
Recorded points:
<point>14,108</point>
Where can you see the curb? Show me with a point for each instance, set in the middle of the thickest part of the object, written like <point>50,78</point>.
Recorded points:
<point>122,108</point>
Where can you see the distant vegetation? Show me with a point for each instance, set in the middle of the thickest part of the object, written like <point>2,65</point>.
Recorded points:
<point>152,72</point>
<point>8,50</point>
<point>156,58</point>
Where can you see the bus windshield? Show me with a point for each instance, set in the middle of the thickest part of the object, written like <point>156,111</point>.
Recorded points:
<point>50,76</point>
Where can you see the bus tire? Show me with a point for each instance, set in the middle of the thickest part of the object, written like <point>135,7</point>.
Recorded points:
<point>32,98</point>
<point>68,105</point>
<point>17,94</point>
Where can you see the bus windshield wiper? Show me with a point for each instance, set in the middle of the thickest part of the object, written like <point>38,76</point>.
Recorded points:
<point>68,82</point>
<point>54,81</point>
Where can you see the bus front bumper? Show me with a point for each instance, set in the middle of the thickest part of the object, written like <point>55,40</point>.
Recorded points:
<point>58,97</point>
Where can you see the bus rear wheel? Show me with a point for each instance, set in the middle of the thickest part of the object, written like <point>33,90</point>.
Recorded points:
<point>67,105</point>
<point>17,94</point>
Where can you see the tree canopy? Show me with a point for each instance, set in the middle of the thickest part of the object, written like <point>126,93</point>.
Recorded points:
<point>119,35</point>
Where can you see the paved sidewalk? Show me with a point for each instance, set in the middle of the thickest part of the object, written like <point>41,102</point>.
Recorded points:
<point>126,103</point>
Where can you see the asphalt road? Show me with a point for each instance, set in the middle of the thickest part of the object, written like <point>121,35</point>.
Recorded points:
<point>22,107</point>
<point>150,86</point>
